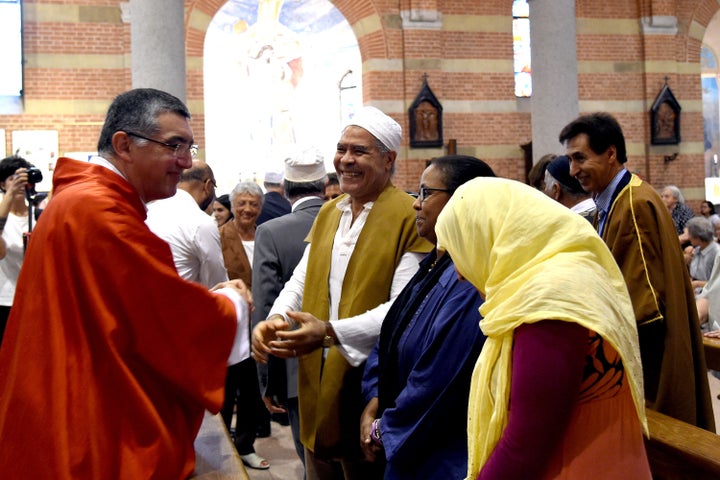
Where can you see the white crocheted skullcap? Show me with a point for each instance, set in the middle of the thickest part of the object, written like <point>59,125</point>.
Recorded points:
<point>273,177</point>
<point>381,126</point>
<point>306,165</point>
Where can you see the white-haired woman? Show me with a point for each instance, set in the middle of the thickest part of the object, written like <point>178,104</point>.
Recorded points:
<point>675,203</point>
<point>242,392</point>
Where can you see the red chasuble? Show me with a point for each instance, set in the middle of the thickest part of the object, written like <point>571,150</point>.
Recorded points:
<point>109,358</point>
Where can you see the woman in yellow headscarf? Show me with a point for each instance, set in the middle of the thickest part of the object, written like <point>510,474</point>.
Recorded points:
<point>557,390</point>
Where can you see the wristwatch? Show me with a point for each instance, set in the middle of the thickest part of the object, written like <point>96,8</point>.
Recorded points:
<point>328,341</point>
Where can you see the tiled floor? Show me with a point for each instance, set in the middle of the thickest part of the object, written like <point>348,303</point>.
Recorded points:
<point>279,450</point>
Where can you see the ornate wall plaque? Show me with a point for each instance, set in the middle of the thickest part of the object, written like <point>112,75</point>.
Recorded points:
<point>665,118</point>
<point>425,119</point>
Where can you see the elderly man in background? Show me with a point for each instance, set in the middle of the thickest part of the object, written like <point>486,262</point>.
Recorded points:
<point>192,234</point>
<point>363,249</point>
<point>280,244</point>
<point>636,226</point>
<point>701,252</point>
<point>708,300</point>
<point>111,358</point>
<point>566,190</point>
<point>274,202</point>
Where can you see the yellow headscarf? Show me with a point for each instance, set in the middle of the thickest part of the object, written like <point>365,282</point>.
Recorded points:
<point>533,259</point>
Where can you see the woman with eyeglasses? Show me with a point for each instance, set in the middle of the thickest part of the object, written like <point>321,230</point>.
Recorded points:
<point>417,378</point>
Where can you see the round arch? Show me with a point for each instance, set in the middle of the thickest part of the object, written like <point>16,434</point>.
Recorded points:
<point>368,30</point>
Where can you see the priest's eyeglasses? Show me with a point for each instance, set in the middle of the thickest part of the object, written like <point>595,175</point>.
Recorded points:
<point>427,191</point>
<point>179,149</point>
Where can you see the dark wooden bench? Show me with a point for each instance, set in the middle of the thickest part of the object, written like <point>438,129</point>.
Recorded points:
<point>677,450</point>
<point>680,451</point>
<point>712,352</point>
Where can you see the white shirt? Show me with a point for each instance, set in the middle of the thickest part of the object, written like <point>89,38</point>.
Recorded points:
<point>103,162</point>
<point>10,265</point>
<point>358,334</point>
<point>241,344</point>
<point>302,200</point>
<point>585,206</point>
<point>249,247</point>
<point>193,237</point>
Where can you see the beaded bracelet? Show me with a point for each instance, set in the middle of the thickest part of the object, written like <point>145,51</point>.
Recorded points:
<point>375,434</point>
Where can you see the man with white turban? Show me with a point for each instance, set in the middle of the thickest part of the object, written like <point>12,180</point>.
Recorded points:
<point>363,249</point>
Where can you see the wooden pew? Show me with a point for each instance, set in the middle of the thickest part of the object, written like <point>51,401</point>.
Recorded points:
<point>712,352</point>
<point>679,451</point>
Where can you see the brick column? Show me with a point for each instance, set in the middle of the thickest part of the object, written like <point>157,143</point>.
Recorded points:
<point>554,100</point>
<point>157,42</point>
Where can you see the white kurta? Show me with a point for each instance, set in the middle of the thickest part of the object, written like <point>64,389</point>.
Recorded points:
<point>357,337</point>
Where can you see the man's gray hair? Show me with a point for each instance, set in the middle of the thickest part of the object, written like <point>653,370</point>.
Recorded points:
<point>137,111</point>
<point>550,181</point>
<point>198,172</point>
<point>303,189</point>
<point>700,227</point>
<point>385,150</point>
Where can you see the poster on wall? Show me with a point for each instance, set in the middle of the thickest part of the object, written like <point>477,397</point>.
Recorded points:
<point>38,147</point>
<point>712,190</point>
<point>80,156</point>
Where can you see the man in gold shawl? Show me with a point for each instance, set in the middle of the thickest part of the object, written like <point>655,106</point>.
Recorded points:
<point>363,249</point>
<point>635,224</point>
<point>557,391</point>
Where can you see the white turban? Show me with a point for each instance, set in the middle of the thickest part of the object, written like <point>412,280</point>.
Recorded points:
<point>381,126</point>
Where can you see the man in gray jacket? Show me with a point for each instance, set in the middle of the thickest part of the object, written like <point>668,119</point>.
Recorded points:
<point>279,245</point>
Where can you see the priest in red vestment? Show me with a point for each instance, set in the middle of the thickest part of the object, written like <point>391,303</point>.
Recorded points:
<point>110,358</point>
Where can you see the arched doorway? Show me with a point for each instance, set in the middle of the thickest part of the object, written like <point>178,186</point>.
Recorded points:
<point>276,80</point>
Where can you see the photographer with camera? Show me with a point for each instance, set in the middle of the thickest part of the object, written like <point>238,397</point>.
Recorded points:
<point>14,226</point>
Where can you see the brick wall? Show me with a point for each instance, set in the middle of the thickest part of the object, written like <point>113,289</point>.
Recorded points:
<point>622,70</point>
<point>76,60</point>
<point>78,57</point>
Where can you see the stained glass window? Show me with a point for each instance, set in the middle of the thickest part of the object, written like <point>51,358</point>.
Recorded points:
<point>279,76</point>
<point>11,37</point>
<point>521,48</point>
<point>711,112</point>
<point>11,53</point>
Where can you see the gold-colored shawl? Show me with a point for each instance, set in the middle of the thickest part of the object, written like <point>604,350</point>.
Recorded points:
<point>533,260</point>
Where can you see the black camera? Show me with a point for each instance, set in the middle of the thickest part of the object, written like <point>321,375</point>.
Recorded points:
<point>34,175</point>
